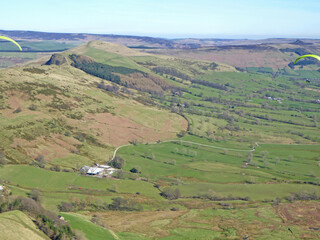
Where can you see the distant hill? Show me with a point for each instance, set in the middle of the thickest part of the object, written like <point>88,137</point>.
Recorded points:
<point>145,41</point>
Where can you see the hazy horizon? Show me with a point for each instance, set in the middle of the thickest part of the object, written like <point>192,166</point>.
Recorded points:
<point>183,36</point>
<point>168,19</point>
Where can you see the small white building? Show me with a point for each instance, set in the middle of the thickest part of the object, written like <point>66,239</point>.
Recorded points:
<point>104,166</point>
<point>95,171</point>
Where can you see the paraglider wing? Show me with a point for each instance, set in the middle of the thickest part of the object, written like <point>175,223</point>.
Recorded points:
<point>308,55</point>
<point>11,40</point>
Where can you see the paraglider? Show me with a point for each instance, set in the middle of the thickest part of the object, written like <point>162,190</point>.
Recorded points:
<point>308,55</point>
<point>304,56</point>
<point>11,40</point>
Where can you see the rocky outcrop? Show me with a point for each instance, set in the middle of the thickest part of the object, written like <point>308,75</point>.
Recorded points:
<point>56,59</point>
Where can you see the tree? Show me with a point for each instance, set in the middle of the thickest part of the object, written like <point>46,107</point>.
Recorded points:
<point>120,174</point>
<point>134,141</point>
<point>315,121</point>
<point>121,204</point>
<point>17,110</point>
<point>114,188</point>
<point>176,151</point>
<point>136,169</point>
<point>182,133</point>
<point>35,195</point>
<point>249,157</point>
<point>170,193</point>
<point>276,201</point>
<point>3,160</point>
<point>118,162</point>
<point>40,161</point>
<point>183,151</point>
<point>65,207</point>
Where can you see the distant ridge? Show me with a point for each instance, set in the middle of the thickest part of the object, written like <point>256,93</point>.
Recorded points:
<point>147,42</point>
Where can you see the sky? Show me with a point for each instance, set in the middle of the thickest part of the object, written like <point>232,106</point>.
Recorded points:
<point>167,18</point>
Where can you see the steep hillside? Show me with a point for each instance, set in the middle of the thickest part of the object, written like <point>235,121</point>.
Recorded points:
<point>67,116</point>
<point>16,225</point>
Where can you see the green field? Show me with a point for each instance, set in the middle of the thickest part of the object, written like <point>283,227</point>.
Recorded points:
<point>91,231</point>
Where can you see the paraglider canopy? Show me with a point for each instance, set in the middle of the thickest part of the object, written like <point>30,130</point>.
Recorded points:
<point>11,40</point>
<point>308,55</point>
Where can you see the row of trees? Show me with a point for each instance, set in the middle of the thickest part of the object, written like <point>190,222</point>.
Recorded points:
<point>171,71</point>
<point>210,84</point>
<point>118,204</point>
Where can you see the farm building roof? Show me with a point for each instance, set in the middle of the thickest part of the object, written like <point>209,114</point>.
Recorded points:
<point>95,170</point>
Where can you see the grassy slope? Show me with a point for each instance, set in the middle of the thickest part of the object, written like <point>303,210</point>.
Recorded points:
<point>91,231</point>
<point>16,225</point>
<point>69,94</point>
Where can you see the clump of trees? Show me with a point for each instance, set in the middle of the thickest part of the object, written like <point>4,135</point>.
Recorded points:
<point>171,193</point>
<point>170,71</point>
<point>109,88</point>
<point>40,161</point>
<point>182,133</point>
<point>118,204</point>
<point>303,195</point>
<point>35,194</point>
<point>117,162</point>
<point>210,84</point>
<point>211,195</point>
<point>121,204</point>
<point>100,70</point>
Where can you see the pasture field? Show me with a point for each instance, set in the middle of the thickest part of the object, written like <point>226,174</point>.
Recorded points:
<point>269,163</point>
<point>38,46</point>
<point>90,230</point>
